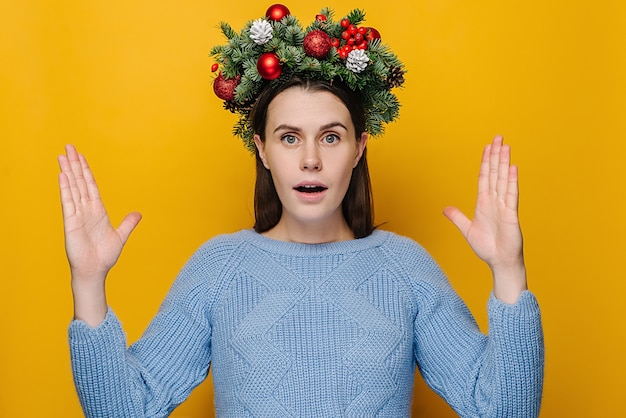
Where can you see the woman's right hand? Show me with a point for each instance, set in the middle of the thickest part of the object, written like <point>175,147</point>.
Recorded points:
<point>92,244</point>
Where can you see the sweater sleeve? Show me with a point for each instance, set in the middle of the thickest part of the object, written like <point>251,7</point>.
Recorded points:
<point>494,375</point>
<point>158,372</point>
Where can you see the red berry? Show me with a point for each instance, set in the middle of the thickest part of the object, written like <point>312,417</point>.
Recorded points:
<point>334,42</point>
<point>346,48</point>
<point>343,54</point>
<point>352,29</point>
<point>345,35</point>
<point>362,45</point>
<point>345,23</point>
<point>358,38</point>
<point>320,17</point>
<point>214,67</point>
<point>350,41</point>
<point>362,30</point>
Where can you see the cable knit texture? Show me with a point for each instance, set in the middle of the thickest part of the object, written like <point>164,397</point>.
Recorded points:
<point>313,330</point>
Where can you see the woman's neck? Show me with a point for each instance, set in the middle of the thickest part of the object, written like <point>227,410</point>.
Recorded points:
<point>314,233</point>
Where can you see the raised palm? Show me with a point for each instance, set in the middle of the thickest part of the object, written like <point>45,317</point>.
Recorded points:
<point>494,234</point>
<point>92,244</point>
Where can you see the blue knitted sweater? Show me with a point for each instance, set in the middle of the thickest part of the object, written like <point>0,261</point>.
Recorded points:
<point>313,330</point>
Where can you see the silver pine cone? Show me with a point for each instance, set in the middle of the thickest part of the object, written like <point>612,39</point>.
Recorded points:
<point>260,31</point>
<point>357,60</point>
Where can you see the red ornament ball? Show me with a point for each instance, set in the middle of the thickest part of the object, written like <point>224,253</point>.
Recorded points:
<point>269,66</point>
<point>277,11</point>
<point>372,34</point>
<point>224,88</point>
<point>317,44</point>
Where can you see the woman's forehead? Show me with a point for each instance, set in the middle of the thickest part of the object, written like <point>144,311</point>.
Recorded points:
<point>298,104</point>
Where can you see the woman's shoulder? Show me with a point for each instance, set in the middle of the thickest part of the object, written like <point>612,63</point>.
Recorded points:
<point>210,260</point>
<point>401,244</point>
<point>217,250</point>
<point>409,254</point>
<point>226,240</point>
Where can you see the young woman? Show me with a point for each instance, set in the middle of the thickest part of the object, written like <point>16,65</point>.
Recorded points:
<point>314,312</point>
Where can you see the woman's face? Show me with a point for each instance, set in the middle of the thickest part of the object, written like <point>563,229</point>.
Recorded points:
<point>310,148</point>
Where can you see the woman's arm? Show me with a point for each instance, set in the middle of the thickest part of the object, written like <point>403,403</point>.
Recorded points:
<point>159,371</point>
<point>500,374</point>
<point>91,243</point>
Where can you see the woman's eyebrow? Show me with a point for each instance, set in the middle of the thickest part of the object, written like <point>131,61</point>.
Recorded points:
<point>333,125</point>
<point>285,127</point>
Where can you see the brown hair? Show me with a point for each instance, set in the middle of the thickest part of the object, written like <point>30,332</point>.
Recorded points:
<point>357,204</point>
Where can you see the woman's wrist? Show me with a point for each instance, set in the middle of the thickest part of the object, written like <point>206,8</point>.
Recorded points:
<point>509,282</point>
<point>90,304</point>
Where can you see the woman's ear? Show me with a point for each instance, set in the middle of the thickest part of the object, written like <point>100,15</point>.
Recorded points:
<point>360,148</point>
<point>260,146</point>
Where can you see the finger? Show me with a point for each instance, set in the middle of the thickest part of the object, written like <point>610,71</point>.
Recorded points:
<point>67,201</point>
<point>63,163</point>
<point>458,218</point>
<point>503,171</point>
<point>128,225</point>
<point>77,171</point>
<point>512,193</point>
<point>90,181</point>
<point>71,191</point>
<point>483,176</point>
<point>494,163</point>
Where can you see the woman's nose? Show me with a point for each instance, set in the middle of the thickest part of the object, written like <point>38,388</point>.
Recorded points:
<point>310,158</point>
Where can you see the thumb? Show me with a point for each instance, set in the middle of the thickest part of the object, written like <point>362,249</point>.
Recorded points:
<point>128,224</point>
<point>458,218</point>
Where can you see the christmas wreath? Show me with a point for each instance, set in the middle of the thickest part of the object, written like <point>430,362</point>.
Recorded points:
<point>272,49</point>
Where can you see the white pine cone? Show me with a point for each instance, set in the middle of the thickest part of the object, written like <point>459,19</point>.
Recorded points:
<point>357,60</point>
<point>260,31</point>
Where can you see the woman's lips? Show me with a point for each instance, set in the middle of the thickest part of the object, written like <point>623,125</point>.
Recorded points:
<point>310,191</point>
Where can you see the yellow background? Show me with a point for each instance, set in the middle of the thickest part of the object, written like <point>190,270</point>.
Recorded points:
<point>128,82</point>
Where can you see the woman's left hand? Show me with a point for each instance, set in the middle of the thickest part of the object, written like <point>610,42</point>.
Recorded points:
<point>494,234</point>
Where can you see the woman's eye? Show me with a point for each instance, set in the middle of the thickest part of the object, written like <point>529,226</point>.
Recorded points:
<point>289,139</point>
<point>331,139</point>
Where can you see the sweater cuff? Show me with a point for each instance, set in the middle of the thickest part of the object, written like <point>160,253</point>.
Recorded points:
<point>81,333</point>
<point>526,306</point>
<point>519,322</point>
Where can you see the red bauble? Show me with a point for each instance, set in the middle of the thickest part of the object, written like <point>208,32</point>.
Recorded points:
<point>372,34</point>
<point>277,12</point>
<point>317,44</point>
<point>268,66</point>
<point>224,88</point>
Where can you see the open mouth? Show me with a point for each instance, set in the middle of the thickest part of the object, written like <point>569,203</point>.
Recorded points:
<point>310,188</point>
